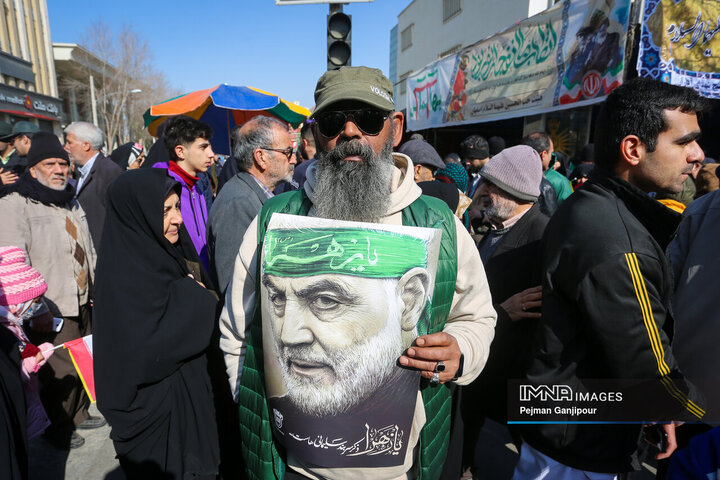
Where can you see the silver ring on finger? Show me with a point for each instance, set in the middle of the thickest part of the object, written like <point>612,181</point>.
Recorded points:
<point>439,366</point>
<point>435,378</point>
<point>523,308</point>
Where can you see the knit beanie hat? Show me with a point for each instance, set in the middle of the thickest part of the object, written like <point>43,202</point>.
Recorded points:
<point>45,145</point>
<point>517,171</point>
<point>455,173</point>
<point>19,282</point>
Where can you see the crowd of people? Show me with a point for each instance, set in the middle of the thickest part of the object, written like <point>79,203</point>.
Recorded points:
<point>550,271</point>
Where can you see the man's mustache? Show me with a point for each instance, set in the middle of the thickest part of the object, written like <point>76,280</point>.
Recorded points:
<point>349,148</point>
<point>291,354</point>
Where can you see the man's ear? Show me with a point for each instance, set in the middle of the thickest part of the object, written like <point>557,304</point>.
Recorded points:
<point>632,150</point>
<point>418,172</point>
<point>398,122</point>
<point>260,160</point>
<point>412,288</point>
<point>180,152</point>
<point>33,172</point>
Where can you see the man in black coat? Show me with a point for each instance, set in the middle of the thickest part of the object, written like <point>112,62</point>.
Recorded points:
<point>510,188</point>
<point>83,142</point>
<point>606,293</point>
<point>20,140</point>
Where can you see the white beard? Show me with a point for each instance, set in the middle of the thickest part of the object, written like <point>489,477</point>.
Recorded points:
<point>359,370</point>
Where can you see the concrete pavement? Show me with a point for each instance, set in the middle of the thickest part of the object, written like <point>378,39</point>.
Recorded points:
<point>93,461</point>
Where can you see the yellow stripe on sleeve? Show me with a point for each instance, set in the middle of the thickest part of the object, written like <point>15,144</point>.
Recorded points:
<point>654,336</point>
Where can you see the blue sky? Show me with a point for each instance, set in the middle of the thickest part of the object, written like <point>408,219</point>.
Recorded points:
<point>281,49</point>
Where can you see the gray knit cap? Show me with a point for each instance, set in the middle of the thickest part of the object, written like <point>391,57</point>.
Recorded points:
<point>517,171</point>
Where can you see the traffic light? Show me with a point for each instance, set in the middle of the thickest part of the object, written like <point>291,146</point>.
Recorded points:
<point>338,40</point>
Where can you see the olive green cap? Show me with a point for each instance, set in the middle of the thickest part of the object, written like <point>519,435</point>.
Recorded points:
<point>21,128</point>
<point>363,84</point>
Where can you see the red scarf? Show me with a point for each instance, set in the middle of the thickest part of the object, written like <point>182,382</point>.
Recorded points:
<point>187,178</point>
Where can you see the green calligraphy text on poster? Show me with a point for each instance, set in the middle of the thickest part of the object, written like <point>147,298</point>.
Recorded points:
<point>529,46</point>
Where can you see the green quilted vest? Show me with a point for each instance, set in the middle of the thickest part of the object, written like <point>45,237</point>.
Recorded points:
<point>265,459</point>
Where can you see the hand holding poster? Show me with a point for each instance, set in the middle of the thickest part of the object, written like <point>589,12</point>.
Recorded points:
<point>341,301</point>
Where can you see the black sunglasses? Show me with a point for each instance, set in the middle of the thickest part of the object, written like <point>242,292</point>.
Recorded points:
<point>288,152</point>
<point>368,120</point>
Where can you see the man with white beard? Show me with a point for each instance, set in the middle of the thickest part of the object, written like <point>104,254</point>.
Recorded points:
<point>358,178</point>
<point>329,371</point>
<point>40,215</point>
<point>509,251</point>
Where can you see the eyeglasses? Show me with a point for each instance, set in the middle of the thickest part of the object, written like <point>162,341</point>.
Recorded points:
<point>368,120</point>
<point>288,152</point>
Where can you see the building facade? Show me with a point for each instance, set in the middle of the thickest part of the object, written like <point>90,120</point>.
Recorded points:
<point>428,30</point>
<point>80,74</point>
<point>28,85</point>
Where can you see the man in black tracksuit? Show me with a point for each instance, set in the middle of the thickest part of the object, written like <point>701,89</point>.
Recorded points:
<point>607,282</point>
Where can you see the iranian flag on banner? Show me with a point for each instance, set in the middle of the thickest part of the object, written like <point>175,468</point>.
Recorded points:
<point>81,353</point>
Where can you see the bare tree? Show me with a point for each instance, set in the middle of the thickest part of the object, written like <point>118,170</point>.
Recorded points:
<point>155,89</point>
<point>125,63</point>
<point>125,83</point>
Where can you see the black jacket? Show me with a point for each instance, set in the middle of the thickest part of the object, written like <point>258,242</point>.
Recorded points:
<point>93,192</point>
<point>607,286</point>
<point>547,201</point>
<point>513,267</point>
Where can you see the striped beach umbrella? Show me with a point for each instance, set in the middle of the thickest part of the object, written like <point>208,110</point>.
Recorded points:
<point>223,107</point>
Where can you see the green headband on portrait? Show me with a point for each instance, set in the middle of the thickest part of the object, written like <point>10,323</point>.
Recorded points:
<point>301,252</point>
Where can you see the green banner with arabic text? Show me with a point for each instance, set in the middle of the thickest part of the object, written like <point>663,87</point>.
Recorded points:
<point>569,55</point>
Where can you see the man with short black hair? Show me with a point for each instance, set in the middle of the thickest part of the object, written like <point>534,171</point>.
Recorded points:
<point>607,285</point>
<point>188,145</point>
<point>264,153</point>
<point>543,144</point>
<point>83,142</point>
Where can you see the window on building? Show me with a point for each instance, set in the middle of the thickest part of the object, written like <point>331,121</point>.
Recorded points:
<point>450,9</point>
<point>406,38</point>
<point>403,82</point>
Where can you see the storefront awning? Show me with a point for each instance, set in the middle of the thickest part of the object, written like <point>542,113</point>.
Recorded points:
<point>28,114</point>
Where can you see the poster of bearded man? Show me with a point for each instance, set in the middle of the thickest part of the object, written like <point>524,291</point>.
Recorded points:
<point>340,302</point>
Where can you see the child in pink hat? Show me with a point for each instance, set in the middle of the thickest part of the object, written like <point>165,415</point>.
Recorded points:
<point>21,291</point>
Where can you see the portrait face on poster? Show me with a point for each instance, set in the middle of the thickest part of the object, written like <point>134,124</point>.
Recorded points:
<point>340,302</point>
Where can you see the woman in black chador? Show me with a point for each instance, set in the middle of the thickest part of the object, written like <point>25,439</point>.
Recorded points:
<point>153,321</point>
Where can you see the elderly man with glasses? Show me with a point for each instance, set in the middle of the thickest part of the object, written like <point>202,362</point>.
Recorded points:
<point>266,158</point>
<point>358,178</point>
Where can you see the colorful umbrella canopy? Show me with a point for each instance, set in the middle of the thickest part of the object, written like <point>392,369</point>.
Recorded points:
<point>223,107</point>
